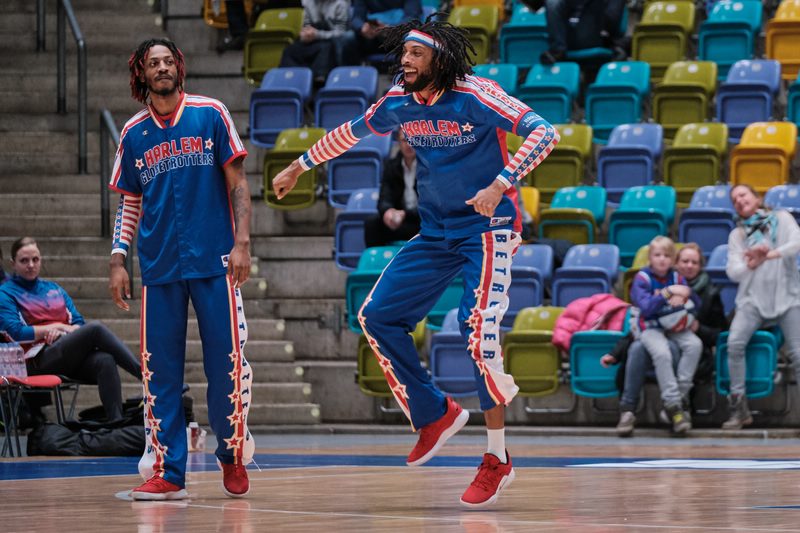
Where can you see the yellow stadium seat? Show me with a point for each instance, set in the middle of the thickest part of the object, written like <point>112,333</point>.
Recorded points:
<point>783,38</point>
<point>565,165</point>
<point>764,157</point>
<point>482,23</point>
<point>662,35</point>
<point>530,201</point>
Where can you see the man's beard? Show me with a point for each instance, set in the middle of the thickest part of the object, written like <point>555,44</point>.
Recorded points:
<point>423,81</point>
<point>165,91</point>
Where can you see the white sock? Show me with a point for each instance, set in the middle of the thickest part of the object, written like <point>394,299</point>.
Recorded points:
<point>497,443</point>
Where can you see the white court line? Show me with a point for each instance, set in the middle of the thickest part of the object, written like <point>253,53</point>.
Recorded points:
<point>466,518</point>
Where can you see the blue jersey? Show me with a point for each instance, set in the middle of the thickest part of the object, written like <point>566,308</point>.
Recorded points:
<point>460,140</point>
<point>175,164</point>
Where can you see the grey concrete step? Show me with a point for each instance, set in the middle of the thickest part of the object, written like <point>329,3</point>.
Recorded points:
<point>97,287</point>
<point>51,184</point>
<point>52,225</point>
<point>263,392</point>
<point>55,246</point>
<point>257,351</point>
<point>58,142</point>
<point>257,328</point>
<point>283,248</point>
<point>45,204</point>
<point>281,414</point>
<point>102,308</point>
<point>265,372</point>
<point>304,278</point>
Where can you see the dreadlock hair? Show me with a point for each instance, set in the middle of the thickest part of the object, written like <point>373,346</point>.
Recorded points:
<point>139,90</point>
<point>451,61</point>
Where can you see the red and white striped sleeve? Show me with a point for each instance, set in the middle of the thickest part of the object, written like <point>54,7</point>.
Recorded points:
<point>538,145</point>
<point>126,223</point>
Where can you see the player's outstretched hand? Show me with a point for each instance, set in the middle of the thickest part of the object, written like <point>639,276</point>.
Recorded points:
<point>239,264</point>
<point>286,179</point>
<point>486,200</point>
<point>119,285</point>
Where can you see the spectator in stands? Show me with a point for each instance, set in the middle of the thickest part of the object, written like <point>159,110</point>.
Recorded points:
<point>709,322</point>
<point>324,23</point>
<point>239,21</point>
<point>370,17</point>
<point>578,24</point>
<point>40,315</point>
<point>398,218</point>
<point>762,255</point>
<point>666,303</point>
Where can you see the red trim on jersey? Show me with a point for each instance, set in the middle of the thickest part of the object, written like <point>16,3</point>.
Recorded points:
<point>123,191</point>
<point>116,173</point>
<point>233,136</point>
<point>230,160</point>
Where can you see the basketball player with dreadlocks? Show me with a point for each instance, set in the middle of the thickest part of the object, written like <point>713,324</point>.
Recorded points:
<point>457,123</point>
<point>179,169</point>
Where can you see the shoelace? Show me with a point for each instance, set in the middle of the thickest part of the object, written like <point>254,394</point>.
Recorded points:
<point>487,473</point>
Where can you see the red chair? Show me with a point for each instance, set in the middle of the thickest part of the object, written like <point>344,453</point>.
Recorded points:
<point>13,387</point>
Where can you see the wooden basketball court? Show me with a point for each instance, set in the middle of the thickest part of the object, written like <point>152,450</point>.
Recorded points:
<point>359,483</point>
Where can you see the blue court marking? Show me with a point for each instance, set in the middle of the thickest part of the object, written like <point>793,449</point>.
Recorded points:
<point>111,466</point>
<point>776,507</point>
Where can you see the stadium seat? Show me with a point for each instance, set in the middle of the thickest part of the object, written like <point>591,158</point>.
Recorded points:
<point>684,95</point>
<point>523,38</point>
<point>783,38</point>
<point>347,93</point>
<point>290,145</point>
<point>784,197</point>
<point>530,201</point>
<point>499,5</point>
<point>529,354</point>
<point>695,158</point>
<point>574,215</point>
<point>616,97</point>
<point>531,271</point>
<point>452,369</point>
<point>729,33</point>
<point>709,219</point>
<point>481,22</point>
<point>662,35</point>
<point>761,362</point>
<point>551,90</point>
<point>748,94</point>
<point>215,18</point>
<point>505,74</point>
<point>360,282</point>
<point>264,44</point>
<point>369,374</point>
<point>764,157</point>
<point>629,159</point>
<point>644,212</point>
<point>716,271</point>
<point>587,269</point>
<point>358,168</point>
<point>565,166</point>
<point>278,104</point>
<point>793,104</point>
<point>588,377</point>
<point>348,241</point>
<point>450,298</point>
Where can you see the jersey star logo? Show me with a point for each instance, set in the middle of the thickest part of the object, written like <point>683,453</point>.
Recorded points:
<point>139,164</point>
<point>144,132</point>
<point>467,127</point>
<point>209,144</point>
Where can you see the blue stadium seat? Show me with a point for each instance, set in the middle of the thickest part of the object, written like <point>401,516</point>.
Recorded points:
<point>729,33</point>
<point>452,369</point>
<point>551,90</point>
<point>629,159</point>
<point>278,104</point>
<point>761,361</point>
<point>587,269</point>
<point>784,197</point>
<point>358,168</point>
<point>709,219</point>
<point>531,270</point>
<point>538,256</point>
<point>588,377</point>
<point>716,271</point>
<point>349,230</point>
<point>748,94</point>
<point>616,97</point>
<point>523,38</point>
<point>643,213</point>
<point>360,281</point>
<point>505,74</point>
<point>347,93</point>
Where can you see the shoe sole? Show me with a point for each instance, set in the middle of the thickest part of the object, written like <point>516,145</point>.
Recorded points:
<point>159,496</point>
<point>455,427</point>
<point>504,483</point>
<point>230,494</point>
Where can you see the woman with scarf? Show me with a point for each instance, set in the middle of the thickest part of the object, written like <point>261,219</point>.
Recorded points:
<point>762,258</point>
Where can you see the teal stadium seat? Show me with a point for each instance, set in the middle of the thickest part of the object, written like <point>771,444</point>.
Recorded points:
<point>524,37</point>
<point>729,33</point>
<point>643,213</point>
<point>575,214</point>
<point>589,377</point>
<point>761,361</point>
<point>793,103</point>
<point>551,90</point>
<point>360,282</point>
<point>505,74</point>
<point>616,97</point>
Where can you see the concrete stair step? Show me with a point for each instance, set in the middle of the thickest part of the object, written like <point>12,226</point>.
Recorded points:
<point>279,248</point>
<point>263,414</point>
<point>97,287</point>
<point>26,6</point>
<point>52,225</point>
<point>257,351</point>
<point>263,392</point>
<point>265,372</point>
<point>51,184</point>
<point>44,204</point>
<point>304,278</point>
<point>55,246</point>
<point>32,162</point>
<point>257,328</point>
<point>103,308</point>
<point>59,142</point>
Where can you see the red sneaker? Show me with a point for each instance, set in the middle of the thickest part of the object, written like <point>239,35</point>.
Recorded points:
<point>433,436</point>
<point>493,476</point>
<point>156,489</point>
<point>235,482</point>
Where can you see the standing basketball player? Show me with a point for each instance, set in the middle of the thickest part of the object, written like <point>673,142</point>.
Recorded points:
<point>456,122</point>
<point>179,168</point>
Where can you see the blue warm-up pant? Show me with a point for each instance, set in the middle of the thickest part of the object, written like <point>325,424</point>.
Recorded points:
<point>407,290</point>
<point>223,332</point>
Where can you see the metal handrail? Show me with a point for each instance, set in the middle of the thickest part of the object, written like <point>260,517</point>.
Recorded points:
<point>40,29</point>
<point>66,13</point>
<point>110,132</point>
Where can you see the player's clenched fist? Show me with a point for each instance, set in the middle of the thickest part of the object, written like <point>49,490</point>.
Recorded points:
<point>286,179</point>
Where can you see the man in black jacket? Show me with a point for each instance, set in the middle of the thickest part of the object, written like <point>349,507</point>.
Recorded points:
<point>397,218</point>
